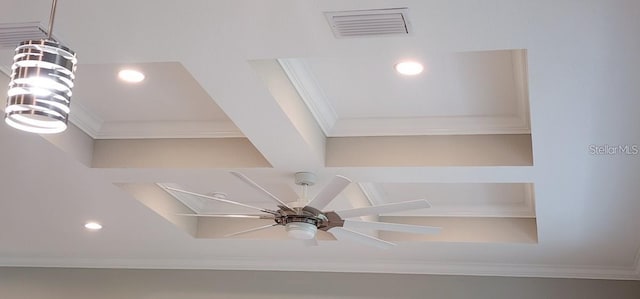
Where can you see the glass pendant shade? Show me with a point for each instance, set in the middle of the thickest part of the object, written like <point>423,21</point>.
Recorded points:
<point>40,89</point>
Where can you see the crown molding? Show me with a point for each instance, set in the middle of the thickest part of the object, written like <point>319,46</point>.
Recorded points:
<point>309,90</point>
<point>372,192</point>
<point>85,120</point>
<point>346,266</point>
<point>99,129</point>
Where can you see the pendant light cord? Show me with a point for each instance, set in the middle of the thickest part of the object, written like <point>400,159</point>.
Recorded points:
<point>51,19</point>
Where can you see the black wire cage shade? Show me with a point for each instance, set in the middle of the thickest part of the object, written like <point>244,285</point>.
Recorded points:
<point>42,76</point>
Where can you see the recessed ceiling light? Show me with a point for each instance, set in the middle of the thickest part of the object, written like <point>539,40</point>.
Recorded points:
<point>93,226</point>
<point>409,68</point>
<point>131,76</point>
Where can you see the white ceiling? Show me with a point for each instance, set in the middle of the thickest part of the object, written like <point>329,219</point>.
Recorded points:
<point>223,57</point>
<point>168,93</point>
<point>453,85</point>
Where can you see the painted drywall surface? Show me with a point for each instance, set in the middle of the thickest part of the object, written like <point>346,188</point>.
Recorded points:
<point>176,153</point>
<point>411,151</point>
<point>50,283</point>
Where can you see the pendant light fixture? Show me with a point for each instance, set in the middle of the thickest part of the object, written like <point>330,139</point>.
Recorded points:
<point>41,81</point>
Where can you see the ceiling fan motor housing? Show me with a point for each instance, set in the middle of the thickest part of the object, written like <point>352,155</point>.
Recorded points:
<point>302,225</point>
<point>284,220</point>
<point>305,178</point>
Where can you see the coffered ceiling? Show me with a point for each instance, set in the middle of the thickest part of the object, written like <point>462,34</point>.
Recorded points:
<point>498,133</point>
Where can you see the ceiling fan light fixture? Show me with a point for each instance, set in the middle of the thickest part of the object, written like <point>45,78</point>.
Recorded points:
<point>42,77</point>
<point>301,230</point>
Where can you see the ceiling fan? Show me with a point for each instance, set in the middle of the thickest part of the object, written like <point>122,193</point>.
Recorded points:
<point>302,219</point>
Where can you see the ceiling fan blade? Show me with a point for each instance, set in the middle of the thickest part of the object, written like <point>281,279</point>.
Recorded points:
<point>387,208</point>
<point>255,185</point>
<point>250,230</point>
<point>395,227</point>
<point>330,191</point>
<point>223,200</point>
<point>342,234</point>
<point>228,216</point>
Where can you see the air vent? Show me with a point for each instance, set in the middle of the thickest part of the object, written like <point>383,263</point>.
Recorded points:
<point>369,23</point>
<point>12,34</point>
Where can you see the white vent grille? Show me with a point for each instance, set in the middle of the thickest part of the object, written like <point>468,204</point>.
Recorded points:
<point>367,23</point>
<point>12,34</point>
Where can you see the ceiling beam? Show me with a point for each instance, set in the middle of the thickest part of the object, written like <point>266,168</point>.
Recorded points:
<point>260,100</point>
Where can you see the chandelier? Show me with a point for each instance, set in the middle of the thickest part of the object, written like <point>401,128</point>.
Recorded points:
<point>42,77</point>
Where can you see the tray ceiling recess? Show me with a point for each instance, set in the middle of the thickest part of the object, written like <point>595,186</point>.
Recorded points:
<point>463,93</point>
<point>471,212</point>
<point>182,108</point>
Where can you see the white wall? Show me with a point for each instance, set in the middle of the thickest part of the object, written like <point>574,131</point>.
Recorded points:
<point>35,283</point>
